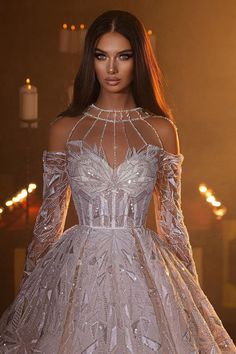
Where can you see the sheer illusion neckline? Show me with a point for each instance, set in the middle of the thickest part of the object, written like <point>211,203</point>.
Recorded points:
<point>91,136</point>
<point>131,152</point>
<point>116,115</point>
<point>114,109</point>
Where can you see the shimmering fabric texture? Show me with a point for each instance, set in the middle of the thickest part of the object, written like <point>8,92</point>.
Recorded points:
<point>110,284</point>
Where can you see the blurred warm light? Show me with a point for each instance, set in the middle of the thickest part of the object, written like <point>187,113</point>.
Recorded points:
<point>209,193</point>
<point>72,27</point>
<point>202,188</point>
<point>19,197</point>
<point>27,81</point>
<point>217,207</point>
<point>220,212</point>
<point>16,199</point>
<point>210,199</point>
<point>216,203</point>
<point>149,32</point>
<point>82,26</point>
<point>23,193</point>
<point>64,26</point>
<point>31,187</point>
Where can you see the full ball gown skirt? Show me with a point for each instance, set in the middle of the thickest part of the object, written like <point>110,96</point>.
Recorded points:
<point>110,284</point>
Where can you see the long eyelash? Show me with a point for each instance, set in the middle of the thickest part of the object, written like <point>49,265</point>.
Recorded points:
<point>98,54</point>
<point>128,55</point>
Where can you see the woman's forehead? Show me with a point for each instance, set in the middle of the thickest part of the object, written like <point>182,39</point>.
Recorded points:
<point>113,41</point>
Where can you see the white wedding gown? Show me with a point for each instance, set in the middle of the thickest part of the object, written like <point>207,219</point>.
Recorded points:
<point>110,284</point>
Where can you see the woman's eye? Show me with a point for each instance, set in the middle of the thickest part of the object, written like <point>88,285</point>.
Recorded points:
<point>125,56</point>
<point>101,56</point>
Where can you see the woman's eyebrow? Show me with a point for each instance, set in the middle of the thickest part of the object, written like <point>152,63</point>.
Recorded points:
<point>122,51</point>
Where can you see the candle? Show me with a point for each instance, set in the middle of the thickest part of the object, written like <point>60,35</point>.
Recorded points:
<point>74,39</point>
<point>152,39</point>
<point>82,35</point>
<point>77,37</point>
<point>64,39</point>
<point>28,95</point>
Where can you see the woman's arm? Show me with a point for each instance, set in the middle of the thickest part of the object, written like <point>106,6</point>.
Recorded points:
<point>167,197</point>
<point>51,217</point>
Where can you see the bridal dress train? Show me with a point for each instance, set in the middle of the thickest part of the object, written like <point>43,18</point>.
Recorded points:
<point>109,284</point>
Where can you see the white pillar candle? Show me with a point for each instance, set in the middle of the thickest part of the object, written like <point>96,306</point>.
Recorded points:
<point>64,39</point>
<point>74,40</point>
<point>82,35</point>
<point>77,37</point>
<point>28,95</point>
<point>153,40</point>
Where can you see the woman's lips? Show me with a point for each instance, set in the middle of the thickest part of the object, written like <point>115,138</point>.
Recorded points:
<point>112,82</point>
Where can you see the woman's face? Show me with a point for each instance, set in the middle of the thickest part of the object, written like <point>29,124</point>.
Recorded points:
<point>114,62</point>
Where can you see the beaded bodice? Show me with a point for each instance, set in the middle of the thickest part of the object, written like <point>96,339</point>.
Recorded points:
<point>112,165</point>
<point>112,168</point>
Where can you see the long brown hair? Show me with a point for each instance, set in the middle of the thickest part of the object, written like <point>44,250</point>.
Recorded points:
<point>147,86</point>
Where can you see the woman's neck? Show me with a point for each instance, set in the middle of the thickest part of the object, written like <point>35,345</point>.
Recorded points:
<point>117,101</point>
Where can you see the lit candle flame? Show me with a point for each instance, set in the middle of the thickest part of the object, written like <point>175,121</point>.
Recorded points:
<point>216,203</point>
<point>82,26</point>
<point>218,209</point>
<point>202,188</point>
<point>31,187</point>
<point>72,27</point>
<point>208,193</point>
<point>19,197</point>
<point>210,199</point>
<point>64,26</point>
<point>149,32</point>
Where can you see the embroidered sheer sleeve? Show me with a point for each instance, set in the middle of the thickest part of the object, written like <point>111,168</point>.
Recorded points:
<point>50,221</point>
<point>167,197</point>
<point>168,210</point>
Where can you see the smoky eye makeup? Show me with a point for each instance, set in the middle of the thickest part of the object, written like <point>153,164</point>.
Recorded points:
<point>124,55</point>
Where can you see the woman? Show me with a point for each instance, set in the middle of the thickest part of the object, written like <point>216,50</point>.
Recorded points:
<point>110,284</point>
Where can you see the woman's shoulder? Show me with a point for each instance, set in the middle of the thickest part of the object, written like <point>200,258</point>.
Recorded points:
<point>59,132</point>
<point>167,131</point>
<point>162,122</point>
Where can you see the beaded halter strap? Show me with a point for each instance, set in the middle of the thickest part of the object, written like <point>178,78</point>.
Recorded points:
<point>124,118</point>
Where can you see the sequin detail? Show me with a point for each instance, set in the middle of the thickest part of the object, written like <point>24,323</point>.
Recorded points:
<point>110,284</point>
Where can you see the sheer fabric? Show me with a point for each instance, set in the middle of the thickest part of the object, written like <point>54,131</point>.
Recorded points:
<point>51,217</point>
<point>130,131</point>
<point>168,210</point>
<point>109,284</point>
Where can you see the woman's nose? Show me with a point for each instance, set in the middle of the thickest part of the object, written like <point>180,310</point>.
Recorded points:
<point>111,68</point>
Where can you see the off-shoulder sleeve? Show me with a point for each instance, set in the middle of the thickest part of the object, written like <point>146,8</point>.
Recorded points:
<point>50,221</point>
<point>168,211</point>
